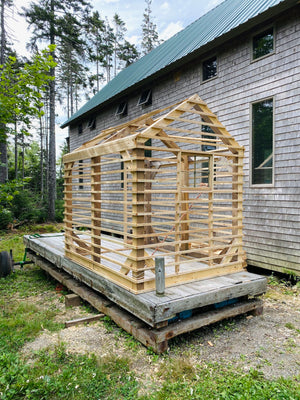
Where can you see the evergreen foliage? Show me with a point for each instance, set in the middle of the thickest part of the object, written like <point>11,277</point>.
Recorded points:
<point>86,50</point>
<point>150,36</point>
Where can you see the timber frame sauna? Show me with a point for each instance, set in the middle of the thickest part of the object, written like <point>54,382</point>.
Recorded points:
<point>168,184</point>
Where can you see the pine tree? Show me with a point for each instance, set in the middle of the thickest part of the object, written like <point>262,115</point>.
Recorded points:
<point>128,53</point>
<point>48,19</point>
<point>119,32</point>
<point>149,30</point>
<point>107,49</point>
<point>95,28</point>
<point>125,53</point>
<point>4,8</point>
<point>71,71</point>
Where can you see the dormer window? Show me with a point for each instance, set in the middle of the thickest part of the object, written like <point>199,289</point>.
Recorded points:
<point>80,128</point>
<point>92,122</point>
<point>122,109</point>
<point>145,98</point>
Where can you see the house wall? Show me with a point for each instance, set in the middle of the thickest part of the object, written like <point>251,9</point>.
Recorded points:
<point>271,214</point>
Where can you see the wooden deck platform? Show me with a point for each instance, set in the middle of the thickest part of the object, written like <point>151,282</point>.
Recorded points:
<point>154,310</point>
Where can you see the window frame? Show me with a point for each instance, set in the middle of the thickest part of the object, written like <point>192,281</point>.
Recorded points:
<point>92,122</point>
<point>202,69</point>
<point>148,99</point>
<point>252,43</point>
<point>261,185</point>
<point>122,109</point>
<point>80,128</point>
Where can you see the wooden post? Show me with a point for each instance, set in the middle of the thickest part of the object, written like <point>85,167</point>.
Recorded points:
<point>178,212</point>
<point>185,205</point>
<point>96,208</point>
<point>68,204</point>
<point>237,197</point>
<point>125,195</point>
<point>160,276</point>
<point>138,220</point>
<point>148,208</point>
<point>210,210</point>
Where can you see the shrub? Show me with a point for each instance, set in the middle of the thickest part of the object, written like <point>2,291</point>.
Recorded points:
<point>5,217</point>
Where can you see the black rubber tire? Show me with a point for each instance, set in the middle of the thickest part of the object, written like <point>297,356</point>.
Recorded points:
<point>5,264</point>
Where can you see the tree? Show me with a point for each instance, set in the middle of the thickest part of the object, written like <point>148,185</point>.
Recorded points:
<point>71,71</point>
<point>20,90</point>
<point>149,30</point>
<point>95,29</point>
<point>50,22</point>
<point>125,53</point>
<point>119,32</point>
<point>107,49</point>
<point>4,6</point>
<point>128,53</point>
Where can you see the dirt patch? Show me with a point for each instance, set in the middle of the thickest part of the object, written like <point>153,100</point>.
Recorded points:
<point>270,342</point>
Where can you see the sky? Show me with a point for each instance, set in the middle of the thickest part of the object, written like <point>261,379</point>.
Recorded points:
<point>170,16</point>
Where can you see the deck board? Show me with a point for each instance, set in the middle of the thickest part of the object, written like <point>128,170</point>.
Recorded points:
<point>149,307</point>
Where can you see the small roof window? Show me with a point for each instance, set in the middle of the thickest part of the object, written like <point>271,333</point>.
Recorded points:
<point>145,98</point>
<point>122,109</point>
<point>92,122</point>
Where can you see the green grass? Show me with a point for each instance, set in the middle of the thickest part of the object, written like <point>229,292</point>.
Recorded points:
<point>14,242</point>
<point>54,374</point>
<point>217,381</point>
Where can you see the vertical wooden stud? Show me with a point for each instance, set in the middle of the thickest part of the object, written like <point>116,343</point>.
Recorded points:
<point>138,196</point>
<point>68,204</point>
<point>211,210</point>
<point>178,211</point>
<point>184,204</point>
<point>237,197</point>
<point>96,208</point>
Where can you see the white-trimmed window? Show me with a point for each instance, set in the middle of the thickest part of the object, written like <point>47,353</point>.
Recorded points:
<point>122,109</point>
<point>145,98</point>
<point>92,122</point>
<point>263,44</point>
<point>262,142</point>
<point>209,69</point>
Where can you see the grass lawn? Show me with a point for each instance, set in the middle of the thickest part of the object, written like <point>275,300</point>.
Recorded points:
<point>55,373</point>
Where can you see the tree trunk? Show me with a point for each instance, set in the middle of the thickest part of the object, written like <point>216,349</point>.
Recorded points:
<point>16,151</point>
<point>52,152</point>
<point>3,143</point>
<point>3,162</point>
<point>23,158</point>
<point>42,158</point>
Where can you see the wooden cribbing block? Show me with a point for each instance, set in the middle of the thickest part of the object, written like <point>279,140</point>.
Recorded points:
<point>72,300</point>
<point>83,320</point>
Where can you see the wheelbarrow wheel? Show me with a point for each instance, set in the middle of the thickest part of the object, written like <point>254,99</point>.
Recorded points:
<point>5,264</point>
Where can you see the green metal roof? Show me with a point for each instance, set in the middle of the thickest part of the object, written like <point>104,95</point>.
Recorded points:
<point>204,33</point>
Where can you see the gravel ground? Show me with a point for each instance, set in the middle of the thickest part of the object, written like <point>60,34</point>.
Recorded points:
<point>270,342</point>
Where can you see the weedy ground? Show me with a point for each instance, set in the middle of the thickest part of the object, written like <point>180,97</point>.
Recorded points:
<point>241,358</point>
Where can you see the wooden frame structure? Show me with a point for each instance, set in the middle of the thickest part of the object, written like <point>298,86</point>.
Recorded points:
<point>167,184</point>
